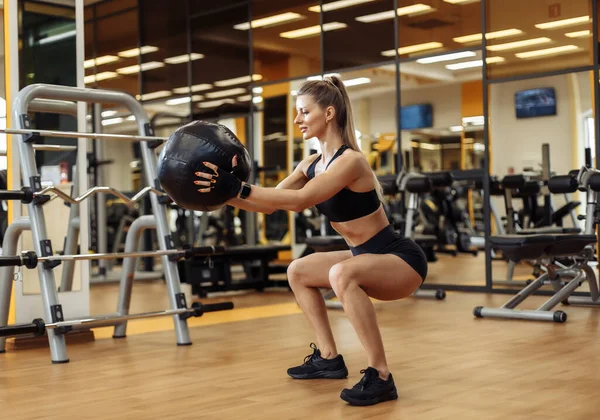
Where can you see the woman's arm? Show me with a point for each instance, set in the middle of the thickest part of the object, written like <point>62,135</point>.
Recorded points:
<point>296,180</point>
<point>345,170</point>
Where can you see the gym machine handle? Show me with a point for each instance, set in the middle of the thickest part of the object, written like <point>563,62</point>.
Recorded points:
<point>25,194</point>
<point>594,182</point>
<point>440,179</point>
<point>513,182</point>
<point>562,184</point>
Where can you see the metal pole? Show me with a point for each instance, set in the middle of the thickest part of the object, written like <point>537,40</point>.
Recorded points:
<point>101,233</point>
<point>78,135</point>
<point>128,270</point>
<point>9,247</point>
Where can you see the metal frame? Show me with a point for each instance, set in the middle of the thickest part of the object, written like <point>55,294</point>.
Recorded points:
<point>43,247</point>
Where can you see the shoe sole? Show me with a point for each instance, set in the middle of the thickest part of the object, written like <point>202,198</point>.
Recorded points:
<point>334,374</point>
<point>382,398</point>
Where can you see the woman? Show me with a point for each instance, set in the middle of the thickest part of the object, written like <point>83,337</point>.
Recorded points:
<point>380,263</point>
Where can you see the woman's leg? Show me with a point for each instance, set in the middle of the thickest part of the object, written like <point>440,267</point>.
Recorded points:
<point>383,277</point>
<point>305,276</point>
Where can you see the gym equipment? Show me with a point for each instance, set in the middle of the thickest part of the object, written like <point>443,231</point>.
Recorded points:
<point>183,155</point>
<point>414,185</point>
<point>26,195</point>
<point>31,135</point>
<point>42,245</point>
<point>30,259</point>
<point>545,249</point>
<point>215,275</point>
<point>38,327</point>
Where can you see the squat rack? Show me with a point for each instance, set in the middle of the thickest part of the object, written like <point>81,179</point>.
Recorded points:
<point>53,311</point>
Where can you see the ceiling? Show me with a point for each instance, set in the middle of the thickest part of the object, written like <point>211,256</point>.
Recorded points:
<point>226,52</point>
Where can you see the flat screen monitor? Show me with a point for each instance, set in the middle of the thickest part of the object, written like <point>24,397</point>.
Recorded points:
<point>417,116</point>
<point>539,102</point>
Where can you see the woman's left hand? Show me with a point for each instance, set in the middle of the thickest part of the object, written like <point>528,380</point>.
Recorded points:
<point>225,182</point>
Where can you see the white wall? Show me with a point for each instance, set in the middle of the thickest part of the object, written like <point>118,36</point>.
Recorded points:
<point>446,102</point>
<point>118,174</point>
<point>517,143</point>
<point>445,99</point>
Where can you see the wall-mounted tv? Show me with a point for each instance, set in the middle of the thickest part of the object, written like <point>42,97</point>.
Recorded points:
<point>539,102</point>
<point>417,116</point>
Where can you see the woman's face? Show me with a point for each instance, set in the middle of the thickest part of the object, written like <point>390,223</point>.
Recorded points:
<point>311,118</point>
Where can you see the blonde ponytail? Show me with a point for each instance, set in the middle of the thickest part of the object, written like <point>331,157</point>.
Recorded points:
<point>331,92</point>
<point>346,124</point>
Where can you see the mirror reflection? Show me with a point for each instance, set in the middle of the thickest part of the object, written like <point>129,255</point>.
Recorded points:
<point>549,121</point>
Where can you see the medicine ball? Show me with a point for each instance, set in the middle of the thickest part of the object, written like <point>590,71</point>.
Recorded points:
<point>182,157</point>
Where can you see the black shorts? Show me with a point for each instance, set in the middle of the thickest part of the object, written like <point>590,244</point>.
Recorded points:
<point>388,241</point>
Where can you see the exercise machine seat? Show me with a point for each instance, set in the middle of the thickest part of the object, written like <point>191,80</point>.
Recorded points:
<point>549,230</point>
<point>531,247</point>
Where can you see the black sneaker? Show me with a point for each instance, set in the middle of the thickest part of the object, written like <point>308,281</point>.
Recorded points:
<point>371,389</point>
<point>315,366</point>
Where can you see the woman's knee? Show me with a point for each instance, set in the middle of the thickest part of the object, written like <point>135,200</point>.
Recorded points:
<point>296,273</point>
<point>342,276</point>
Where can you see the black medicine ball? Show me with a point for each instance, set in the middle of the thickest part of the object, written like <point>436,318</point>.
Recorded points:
<point>182,157</point>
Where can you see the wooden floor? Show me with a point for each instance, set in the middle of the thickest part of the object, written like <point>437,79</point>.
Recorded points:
<point>447,365</point>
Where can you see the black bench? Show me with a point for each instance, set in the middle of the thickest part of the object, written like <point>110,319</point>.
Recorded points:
<point>214,274</point>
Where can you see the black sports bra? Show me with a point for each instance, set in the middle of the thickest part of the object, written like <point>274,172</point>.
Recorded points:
<point>346,204</point>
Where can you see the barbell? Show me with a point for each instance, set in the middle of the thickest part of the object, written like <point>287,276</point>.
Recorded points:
<point>38,326</point>
<point>30,259</point>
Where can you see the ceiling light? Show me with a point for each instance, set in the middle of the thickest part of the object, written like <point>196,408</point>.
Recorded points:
<point>100,76</point>
<point>112,121</point>
<point>137,51</point>
<point>244,98</point>
<point>319,77</point>
<point>548,51</point>
<point>211,104</point>
<point>338,5</point>
<point>563,22</point>
<point>401,11</point>
<point>474,63</point>
<point>257,99</point>
<point>98,61</point>
<point>475,120</point>
<point>357,81</point>
<point>195,88</point>
<point>184,100</point>
<point>269,21</point>
<point>228,92</point>
<point>58,37</point>
<point>460,1</point>
<point>456,128</point>
<point>490,35</point>
<point>136,68</point>
<point>312,30</point>
<point>238,80</point>
<point>257,90</point>
<point>446,57</point>
<point>153,95</point>
<point>519,44</point>
<point>109,113</point>
<point>184,58</point>
<point>578,34</point>
<point>179,101</point>
<point>413,48</point>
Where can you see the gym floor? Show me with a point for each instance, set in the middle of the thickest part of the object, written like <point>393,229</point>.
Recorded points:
<point>446,363</point>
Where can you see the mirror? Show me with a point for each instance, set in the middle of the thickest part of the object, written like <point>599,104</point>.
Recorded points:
<point>441,118</point>
<point>549,121</point>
